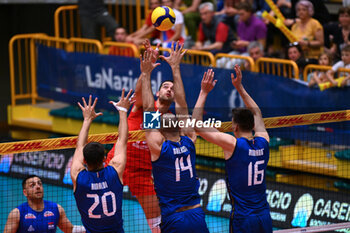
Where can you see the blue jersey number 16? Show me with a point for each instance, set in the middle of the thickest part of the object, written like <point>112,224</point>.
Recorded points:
<point>257,172</point>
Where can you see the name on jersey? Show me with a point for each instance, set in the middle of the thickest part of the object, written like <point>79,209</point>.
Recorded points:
<point>180,150</point>
<point>259,152</point>
<point>99,186</point>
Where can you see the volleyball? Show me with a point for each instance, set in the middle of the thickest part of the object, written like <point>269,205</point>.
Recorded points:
<point>163,18</point>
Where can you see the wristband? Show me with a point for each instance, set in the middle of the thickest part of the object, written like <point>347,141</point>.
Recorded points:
<point>118,107</point>
<point>121,108</point>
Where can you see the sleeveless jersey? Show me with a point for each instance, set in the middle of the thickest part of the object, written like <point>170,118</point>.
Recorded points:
<point>99,200</point>
<point>33,221</point>
<point>245,172</point>
<point>175,179</point>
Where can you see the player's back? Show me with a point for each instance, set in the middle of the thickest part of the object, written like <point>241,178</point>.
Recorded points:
<point>175,179</point>
<point>34,221</point>
<point>98,195</point>
<point>245,172</point>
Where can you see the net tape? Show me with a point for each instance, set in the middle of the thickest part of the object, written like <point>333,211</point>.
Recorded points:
<point>323,228</point>
<point>139,135</point>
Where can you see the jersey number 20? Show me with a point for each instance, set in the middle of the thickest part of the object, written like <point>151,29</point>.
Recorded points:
<point>257,172</point>
<point>104,204</point>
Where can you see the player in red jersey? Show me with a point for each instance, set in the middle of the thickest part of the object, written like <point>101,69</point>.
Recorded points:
<point>138,171</point>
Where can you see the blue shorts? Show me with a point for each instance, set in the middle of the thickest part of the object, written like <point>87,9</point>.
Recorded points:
<point>252,224</point>
<point>189,221</point>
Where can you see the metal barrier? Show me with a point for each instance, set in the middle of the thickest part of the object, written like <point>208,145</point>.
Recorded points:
<point>85,45</point>
<point>311,68</point>
<point>120,49</point>
<point>249,60</point>
<point>199,58</point>
<point>22,59</point>
<point>276,66</point>
<point>67,23</point>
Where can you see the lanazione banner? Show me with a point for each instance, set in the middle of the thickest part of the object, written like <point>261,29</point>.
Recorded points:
<point>67,77</point>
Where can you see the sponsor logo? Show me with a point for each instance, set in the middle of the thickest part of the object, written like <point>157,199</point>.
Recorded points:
<point>51,225</point>
<point>29,216</point>
<point>31,228</point>
<point>48,214</point>
<point>302,210</point>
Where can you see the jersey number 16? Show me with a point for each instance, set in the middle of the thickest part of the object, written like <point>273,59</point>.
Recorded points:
<point>257,172</point>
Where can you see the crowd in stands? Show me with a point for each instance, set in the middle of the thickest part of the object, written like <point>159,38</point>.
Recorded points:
<point>238,27</point>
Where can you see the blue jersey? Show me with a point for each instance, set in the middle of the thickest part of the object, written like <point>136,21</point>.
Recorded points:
<point>43,221</point>
<point>246,176</point>
<point>99,197</point>
<point>175,179</point>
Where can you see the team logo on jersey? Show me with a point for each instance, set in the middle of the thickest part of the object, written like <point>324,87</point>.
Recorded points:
<point>31,228</point>
<point>151,120</point>
<point>48,214</point>
<point>29,216</point>
<point>51,225</point>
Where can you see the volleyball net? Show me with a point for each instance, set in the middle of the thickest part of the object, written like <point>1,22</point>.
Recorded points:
<point>308,175</point>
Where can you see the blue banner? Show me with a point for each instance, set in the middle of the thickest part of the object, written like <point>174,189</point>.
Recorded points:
<point>67,77</point>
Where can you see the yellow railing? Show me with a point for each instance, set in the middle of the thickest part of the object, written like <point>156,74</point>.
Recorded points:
<point>85,45</point>
<point>311,68</point>
<point>67,23</point>
<point>276,66</point>
<point>124,49</point>
<point>199,58</point>
<point>249,60</point>
<point>23,58</point>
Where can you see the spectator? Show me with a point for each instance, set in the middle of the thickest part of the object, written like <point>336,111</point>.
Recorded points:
<point>343,78</point>
<point>93,15</point>
<point>308,31</point>
<point>147,29</point>
<point>120,35</point>
<point>177,32</point>
<point>250,28</point>
<point>256,51</point>
<point>218,34</point>
<point>341,36</point>
<point>229,12</point>
<point>316,78</point>
<point>295,53</point>
<point>320,11</point>
<point>191,16</point>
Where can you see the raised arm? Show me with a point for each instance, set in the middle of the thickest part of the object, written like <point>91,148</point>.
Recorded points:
<point>119,159</point>
<point>225,141</point>
<point>12,223</point>
<point>154,138</point>
<point>259,125</point>
<point>89,115</point>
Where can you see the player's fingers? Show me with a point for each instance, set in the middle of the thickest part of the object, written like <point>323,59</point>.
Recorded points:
<point>232,77</point>
<point>81,107</point>
<point>90,100</point>
<point>184,52</point>
<point>157,64</point>
<point>84,102</point>
<point>214,82</point>
<point>99,114</point>
<point>128,95</point>
<point>157,47</point>
<point>177,46</point>
<point>95,101</point>
<point>172,46</point>
<point>123,92</point>
<point>162,57</point>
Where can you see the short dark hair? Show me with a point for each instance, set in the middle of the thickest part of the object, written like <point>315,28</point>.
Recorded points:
<point>343,10</point>
<point>160,86</point>
<point>24,181</point>
<point>245,6</point>
<point>346,48</point>
<point>244,118</point>
<point>94,153</point>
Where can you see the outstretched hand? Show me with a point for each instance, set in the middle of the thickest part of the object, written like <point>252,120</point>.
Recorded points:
<point>237,81</point>
<point>147,65</point>
<point>155,52</point>
<point>125,102</point>
<point>208,82</point>
<point>88,109</point>
<point>176,55</point>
